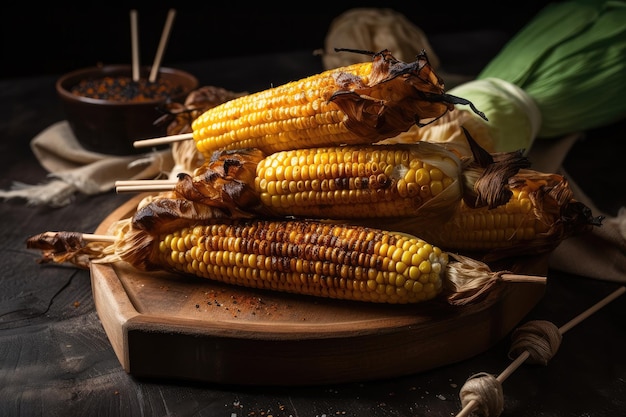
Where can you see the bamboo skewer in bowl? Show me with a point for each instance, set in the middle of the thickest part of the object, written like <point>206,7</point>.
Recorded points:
<point>134,40</point>
<point>162,44</point>
<point>134,37</point>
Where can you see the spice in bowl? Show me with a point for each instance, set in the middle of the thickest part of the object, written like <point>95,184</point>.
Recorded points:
<point>124,89</point>
<point>108,111</point>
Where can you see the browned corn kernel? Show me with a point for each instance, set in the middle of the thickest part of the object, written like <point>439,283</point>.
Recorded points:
<point>355,182</point>
<point>309,258</point>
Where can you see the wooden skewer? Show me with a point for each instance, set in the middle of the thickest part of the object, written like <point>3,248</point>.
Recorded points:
<point>134,39</point>
<point>124,183</point>
<point>143,143</point>
<point>139,186</point>
<point>144,188</point>
<point>164,37</point>
<point>98,238</point>
<point>523,278</point>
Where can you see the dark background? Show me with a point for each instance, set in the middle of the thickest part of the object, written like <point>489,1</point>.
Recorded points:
<point>53,37</point>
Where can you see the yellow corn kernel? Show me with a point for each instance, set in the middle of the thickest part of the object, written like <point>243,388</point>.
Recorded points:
<point>540,213</point>
<point>484,228</point>
<point>358,104</point>
<point>309,258</point>
<point>278,118</point>
<point>353,185</point>
<point>421,181</point>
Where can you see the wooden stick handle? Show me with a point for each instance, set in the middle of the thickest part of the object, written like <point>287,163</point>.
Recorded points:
<point>523,278</point>
<point>143,143</point>
<point>126,183</point>
<point>144,188</point>
<point>98,238</point>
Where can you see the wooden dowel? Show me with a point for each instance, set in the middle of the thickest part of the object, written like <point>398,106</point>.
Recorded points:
<point>125,183</point>
<point>98,238</point>
<point>523,278</point>
<point>134,41</point>
<point>163,42</point>
<point>142,143</point>
<point>592,309</point>
<point>144,188</point>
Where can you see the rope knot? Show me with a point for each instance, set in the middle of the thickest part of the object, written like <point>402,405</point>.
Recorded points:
<point>540,338</point>
<point>486,392</point>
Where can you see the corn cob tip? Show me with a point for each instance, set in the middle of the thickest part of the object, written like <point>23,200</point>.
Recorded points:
<point>540,214</point>
<point>421,75</point>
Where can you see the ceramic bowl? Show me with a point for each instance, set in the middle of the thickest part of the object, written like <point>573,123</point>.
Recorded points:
<point>107,111</point>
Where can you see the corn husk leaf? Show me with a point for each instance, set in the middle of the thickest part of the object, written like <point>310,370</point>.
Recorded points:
<point>564,72</point>
<point>571,60</point>
<point>514,119</point>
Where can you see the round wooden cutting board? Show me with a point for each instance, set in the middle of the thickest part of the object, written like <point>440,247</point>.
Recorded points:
<point>163,325</point>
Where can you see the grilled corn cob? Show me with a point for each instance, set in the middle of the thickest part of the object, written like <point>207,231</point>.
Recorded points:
<point>419,180</point>
<point>311,258</point>
<point>540,214</point>
<point>358,104</point>
<point>316,258</point>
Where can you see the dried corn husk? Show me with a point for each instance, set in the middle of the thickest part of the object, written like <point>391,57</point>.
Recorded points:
<point>374,29</point>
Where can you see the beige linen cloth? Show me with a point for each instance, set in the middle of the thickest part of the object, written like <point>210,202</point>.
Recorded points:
<point>374,29</point>
<point>72,169</point>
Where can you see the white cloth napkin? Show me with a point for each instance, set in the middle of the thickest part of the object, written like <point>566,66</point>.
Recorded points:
<point>72,169</point>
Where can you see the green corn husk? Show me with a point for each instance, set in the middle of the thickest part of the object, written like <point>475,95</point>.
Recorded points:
<point>564,72</point>
<point>571,59</point>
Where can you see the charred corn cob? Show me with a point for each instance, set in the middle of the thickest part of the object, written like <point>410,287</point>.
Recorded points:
<point>343,182</point>
<point>540,214</point>
<point>358,104</point>
<point>324,259</point>
<point>336,261</point>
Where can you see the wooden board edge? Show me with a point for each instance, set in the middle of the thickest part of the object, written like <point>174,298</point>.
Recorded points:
<point>114,316</point>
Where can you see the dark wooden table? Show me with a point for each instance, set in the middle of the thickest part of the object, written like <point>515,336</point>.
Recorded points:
<point>56,360</point>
